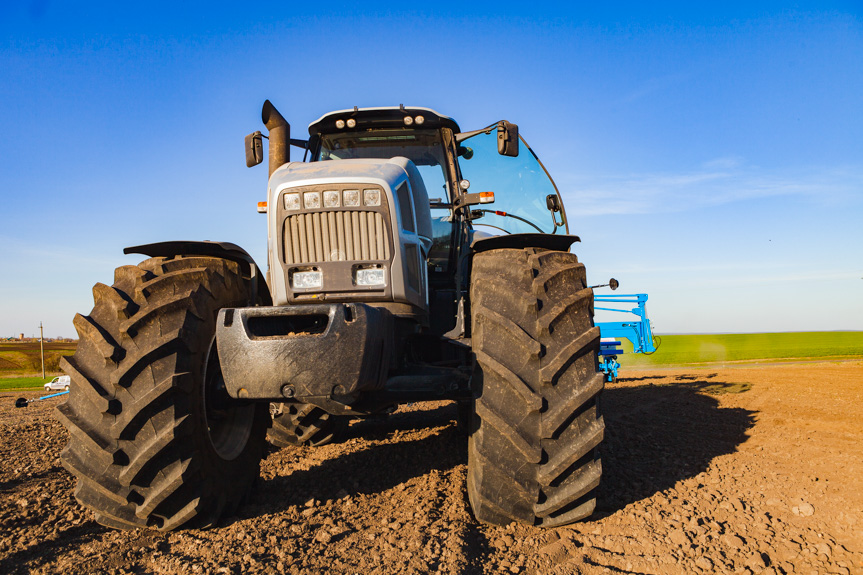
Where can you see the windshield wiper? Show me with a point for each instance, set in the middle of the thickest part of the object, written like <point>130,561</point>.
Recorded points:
<point>506,215</point>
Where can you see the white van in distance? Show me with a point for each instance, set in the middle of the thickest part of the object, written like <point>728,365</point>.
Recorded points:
<point>60,383</point>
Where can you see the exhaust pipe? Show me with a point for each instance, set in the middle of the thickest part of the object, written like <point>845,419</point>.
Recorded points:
<point>280,136</point>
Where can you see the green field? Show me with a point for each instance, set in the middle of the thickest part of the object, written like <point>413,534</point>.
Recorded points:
<point>20,364</point>
<point>721,348</point>
<point>18,383</point>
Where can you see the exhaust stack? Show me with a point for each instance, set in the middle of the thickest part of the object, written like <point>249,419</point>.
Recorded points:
<point>280,136</point>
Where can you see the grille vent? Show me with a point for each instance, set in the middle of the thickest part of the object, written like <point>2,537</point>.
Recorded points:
<point>334,236</point>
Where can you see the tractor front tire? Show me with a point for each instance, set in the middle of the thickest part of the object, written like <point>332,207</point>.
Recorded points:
<point>535,429</point>
<point>154,439</point>
<point>303,425</point>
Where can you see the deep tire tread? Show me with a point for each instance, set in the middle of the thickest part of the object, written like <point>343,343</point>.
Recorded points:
<point>95,394</point>
<point>571,452</point>
<point>585,481</point>
<point>522,339</point>
<point>550,372</point>
<point>113,299</point>
<point>563,411</point>
<point>304,425</point>
<point>131,418</point>
<point>98,337</point>
<point>153,447</point>
<point>101,447</point>
<point>532,454</point>
<point>531,399</point>
<point>135,412</point>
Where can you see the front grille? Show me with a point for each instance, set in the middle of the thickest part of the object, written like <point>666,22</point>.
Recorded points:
<point>334,236</point>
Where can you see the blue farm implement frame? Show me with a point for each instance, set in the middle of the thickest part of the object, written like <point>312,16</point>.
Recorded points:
<point>611,332</point>
<point>21,402</point>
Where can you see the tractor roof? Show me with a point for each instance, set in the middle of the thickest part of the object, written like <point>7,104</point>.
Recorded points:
<point>387,117</point>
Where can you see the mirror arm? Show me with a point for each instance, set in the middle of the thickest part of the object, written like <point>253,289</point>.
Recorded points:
<point>462,136</point>
<point>304,144</point>
<point>612,283</point>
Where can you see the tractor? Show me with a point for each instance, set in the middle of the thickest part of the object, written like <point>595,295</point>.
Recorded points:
<point>407,261</point>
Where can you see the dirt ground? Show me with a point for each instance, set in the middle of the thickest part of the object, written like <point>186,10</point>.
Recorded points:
<point>727,470</point>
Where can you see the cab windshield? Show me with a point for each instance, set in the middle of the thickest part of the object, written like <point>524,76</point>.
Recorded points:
<point>422,147</point>
<point>520,185</point>
<point>425,149</point>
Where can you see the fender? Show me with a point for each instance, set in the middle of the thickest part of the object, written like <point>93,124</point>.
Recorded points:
<point>224,250</point>
<point>560,243</point>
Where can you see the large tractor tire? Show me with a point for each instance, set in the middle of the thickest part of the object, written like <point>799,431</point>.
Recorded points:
<point>536,426</point>
<point>303,425</point>
<point>154,439</point>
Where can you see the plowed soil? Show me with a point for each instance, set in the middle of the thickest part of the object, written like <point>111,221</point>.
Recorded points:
<point>732,470</point>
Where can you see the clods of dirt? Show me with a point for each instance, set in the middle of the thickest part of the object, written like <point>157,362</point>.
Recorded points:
<point>744,470</point>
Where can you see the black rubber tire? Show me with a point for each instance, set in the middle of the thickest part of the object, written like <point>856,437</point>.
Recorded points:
<point>304,425</point>
<point>154,439</point>
<point>532,454</point>
<point>464,414</point>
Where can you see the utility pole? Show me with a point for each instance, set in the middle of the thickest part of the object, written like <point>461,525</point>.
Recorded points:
<point>42,348</point>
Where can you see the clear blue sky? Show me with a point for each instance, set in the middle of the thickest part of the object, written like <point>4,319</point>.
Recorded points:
<point>712,158</point>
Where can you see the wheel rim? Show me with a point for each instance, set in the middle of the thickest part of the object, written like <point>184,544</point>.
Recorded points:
<point>229,425</point>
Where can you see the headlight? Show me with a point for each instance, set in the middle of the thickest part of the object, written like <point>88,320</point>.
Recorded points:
<point>331,199</point>
<point>292,201</point>
<point>352,198</point>
<point>307,280</point>
<point>371,277</point>
<point>371,197</point>
<point>312,200</point>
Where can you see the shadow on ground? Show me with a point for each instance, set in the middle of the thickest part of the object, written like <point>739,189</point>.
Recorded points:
<point>39,553</point>
<point>378,467</point>
<point>658,434</point>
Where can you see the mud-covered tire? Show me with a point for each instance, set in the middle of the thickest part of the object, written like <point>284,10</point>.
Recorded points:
<point>304,425</point>
<point>532,447</point>
<point>154,439</point>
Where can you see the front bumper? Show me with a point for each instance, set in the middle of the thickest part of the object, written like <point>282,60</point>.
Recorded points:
<point>304,352</point>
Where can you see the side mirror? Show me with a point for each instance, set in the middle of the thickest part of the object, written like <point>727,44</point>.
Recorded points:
<point>254,149</point>
<point>507,139</point>
<point>612,283</point>
<point>552,202</point>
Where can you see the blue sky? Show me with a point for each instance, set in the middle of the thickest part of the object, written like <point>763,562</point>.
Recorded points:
<point>710,158</point>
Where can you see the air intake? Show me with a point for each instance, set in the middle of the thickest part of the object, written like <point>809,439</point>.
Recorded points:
<point>337,235</point>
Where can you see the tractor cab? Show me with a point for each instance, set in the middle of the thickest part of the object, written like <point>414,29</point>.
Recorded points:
<point>526,199</point>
